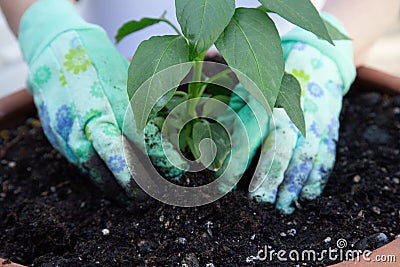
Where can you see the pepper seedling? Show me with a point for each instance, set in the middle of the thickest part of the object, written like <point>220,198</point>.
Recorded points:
<point>249,42</point>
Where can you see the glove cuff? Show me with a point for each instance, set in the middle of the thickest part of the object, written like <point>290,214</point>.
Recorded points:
<point>43,22</point>
<point>341,53</point>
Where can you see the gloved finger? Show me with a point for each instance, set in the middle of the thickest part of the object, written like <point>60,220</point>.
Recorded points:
<point>256,121</point>
<point>55,108</point>
<point>163,154</point>
<point>324,163</point>
<point>92,165</point>
<point>159,149</point>
<point>298,171</point>
<point>275,157</point>
<point>239,98</point>
<point>108,142</point>
<point>319,175</point>
<point>249,128</point>
<point>80,151</point>
<point>103,178</point>
<point>249,121</point>
<point>49,130</point>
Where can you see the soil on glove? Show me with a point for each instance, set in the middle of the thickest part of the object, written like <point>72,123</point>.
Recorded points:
<point>51,215</point>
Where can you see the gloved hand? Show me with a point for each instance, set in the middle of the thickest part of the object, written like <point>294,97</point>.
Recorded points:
<point>301,166</point>
<point>78,80</point>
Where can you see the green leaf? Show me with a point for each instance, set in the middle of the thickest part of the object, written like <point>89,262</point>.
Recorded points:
<point>334,32</point>
<point>251,45</point>
<point>146,74</point>
<point>134,26</point>
<point>190,144</point>
<point>212,155</point>
<point>203,21</point>
<point>170,130</point>
<point>301,13</point>
<point>183,138</point>
<point>222,141</point>
<point>289,100</point>
<point>201,130</point>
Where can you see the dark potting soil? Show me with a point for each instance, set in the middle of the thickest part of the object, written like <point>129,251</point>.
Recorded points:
<point>51,215</point>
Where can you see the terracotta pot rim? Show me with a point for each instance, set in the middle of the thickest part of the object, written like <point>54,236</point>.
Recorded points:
<point>6,263</point>
<point>376,80</point>
<point>15,108</point>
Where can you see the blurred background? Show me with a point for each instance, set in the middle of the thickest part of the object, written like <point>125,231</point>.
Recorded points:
<point>384,56</point>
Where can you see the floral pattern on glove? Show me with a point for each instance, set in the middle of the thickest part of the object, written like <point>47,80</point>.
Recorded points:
<point>77,60</point>
<point>42,75</point>
<point>317,63</point>
<point>64,121</point>
<point>45,119</point>
<point>111,131</point>
<point>302,76</point>
<point>297,175</point>
<point>299,46</point>
<point>335,89</point>
<point>315,130</point>
<point>310,106</point>
<point>96,90</point>
<point>62,79</point>
<point>116,163</point>
<point>315,90</point>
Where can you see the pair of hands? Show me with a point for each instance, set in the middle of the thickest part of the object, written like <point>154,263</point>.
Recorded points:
<point>78,80</point>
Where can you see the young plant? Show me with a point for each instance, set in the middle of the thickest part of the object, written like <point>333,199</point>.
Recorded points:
<point>249,42</point>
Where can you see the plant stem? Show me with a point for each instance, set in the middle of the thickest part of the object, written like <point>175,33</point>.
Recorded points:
<point>198,71</point>
<point>195,86</point>
<point>197,75</point>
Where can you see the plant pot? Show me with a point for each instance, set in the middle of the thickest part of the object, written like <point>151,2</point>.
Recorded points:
<point>65,218</point>
<point>5,263</point>
<point>393,248</point>
<point>15,108</point>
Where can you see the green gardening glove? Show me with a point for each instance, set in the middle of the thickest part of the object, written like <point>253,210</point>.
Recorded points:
<point>299,166</point>
<point>78,80</point>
